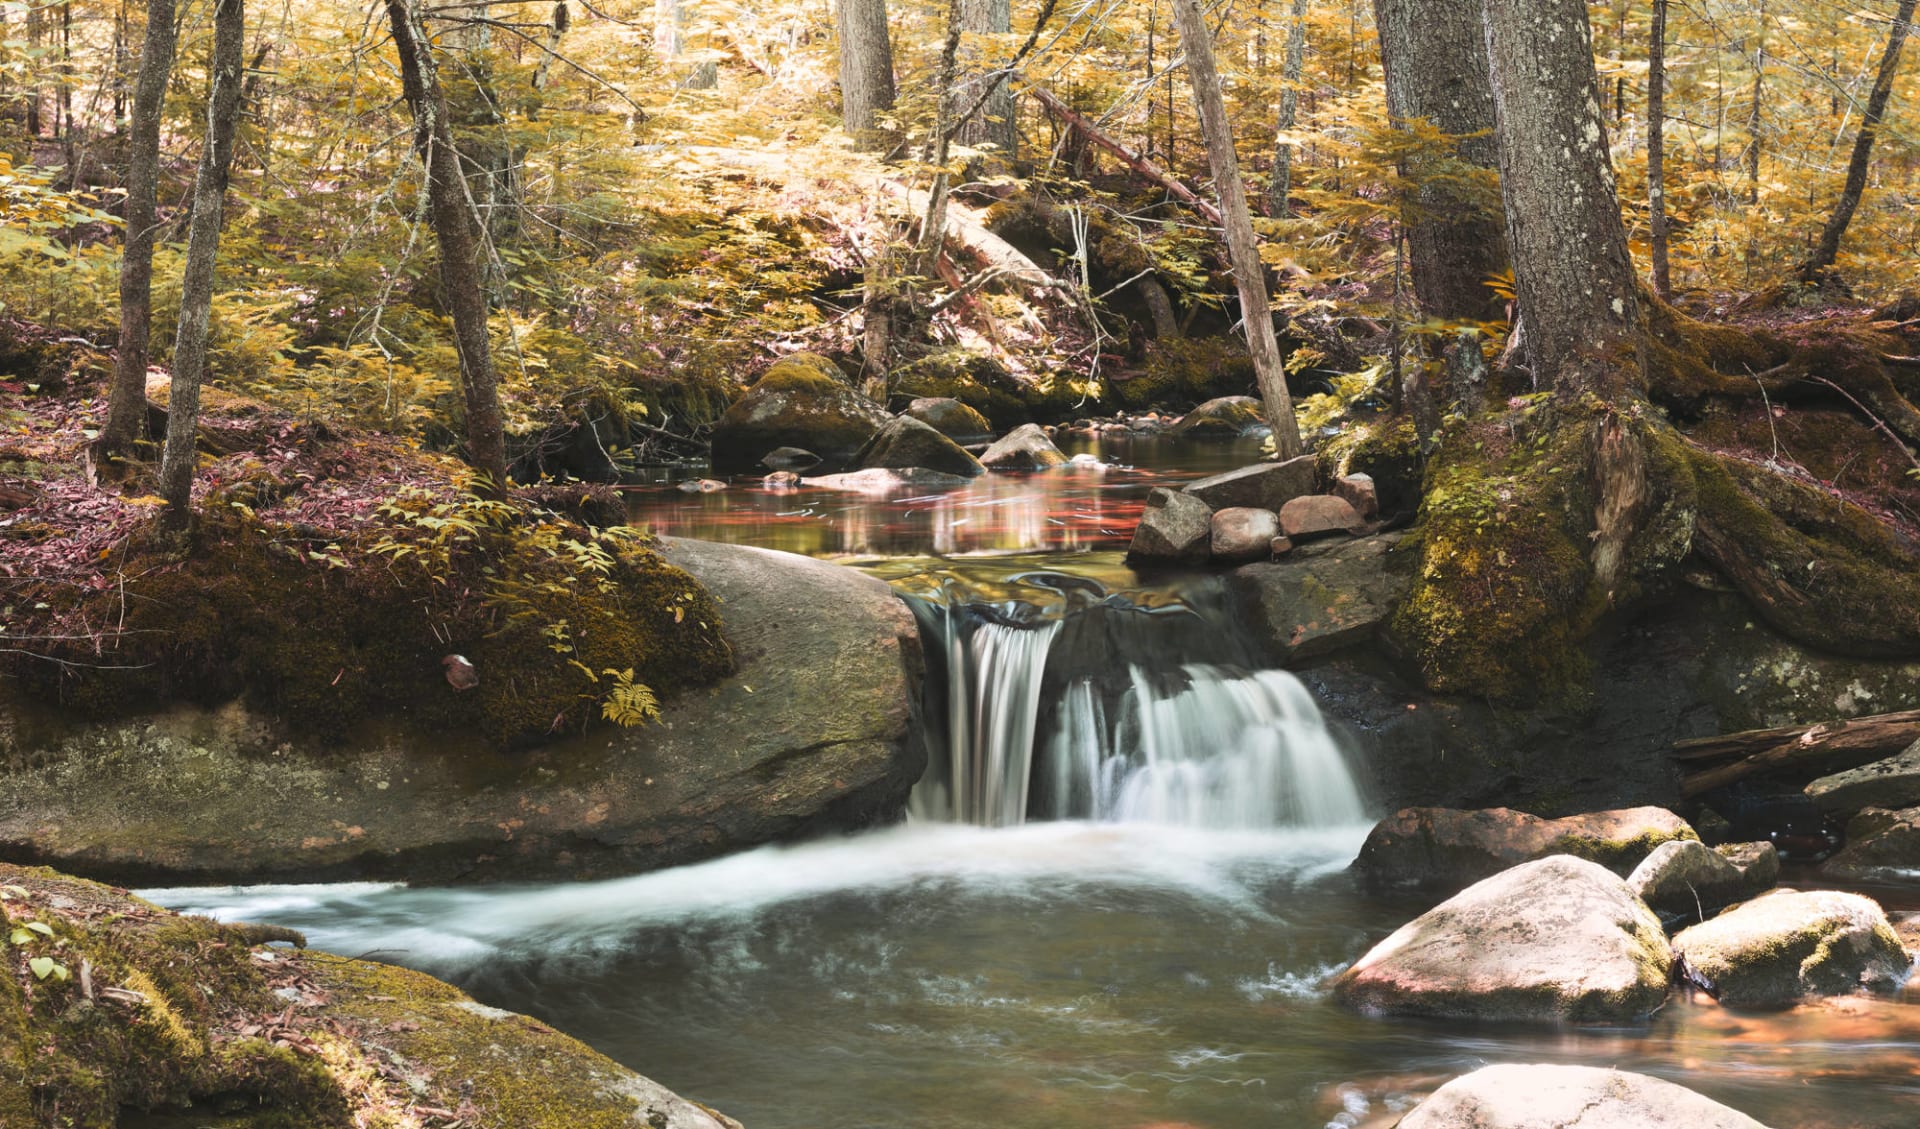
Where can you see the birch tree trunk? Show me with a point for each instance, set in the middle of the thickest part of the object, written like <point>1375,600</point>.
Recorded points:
<point>1243,250</point>
<point>1434,55</point>
<point>203,251</point>
<point>127,400</point>
<point>866,66</point>
<point>1829,247</point>
<point>455,231</point>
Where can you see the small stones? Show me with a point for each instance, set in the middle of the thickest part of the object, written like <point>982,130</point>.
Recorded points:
<point>1318,515</point>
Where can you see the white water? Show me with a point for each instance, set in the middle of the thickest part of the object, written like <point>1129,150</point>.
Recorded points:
<point>993,681</point>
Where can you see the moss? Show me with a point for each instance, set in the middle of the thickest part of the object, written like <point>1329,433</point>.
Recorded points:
<point>986,386</point>
<point>1615,854</point>
<point>802,372</point>
<point>1183,372</point>
<point>1385,447</point>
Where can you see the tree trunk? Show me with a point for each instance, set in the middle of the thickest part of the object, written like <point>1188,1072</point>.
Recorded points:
<point>1836,229</point>
<point>1572,273</point>
<point>127,401</point>
<point>1657,151</point>
<point>1243,251</point>
<point>866,67</point>
<point>203,251</point>
<point>993,124</point>
<point>933,229</point>
<point>1280,191</point>
<point>1434,55</point>
<point>1143,168</point>
<point>455,230</point>
<point>1753,104</point>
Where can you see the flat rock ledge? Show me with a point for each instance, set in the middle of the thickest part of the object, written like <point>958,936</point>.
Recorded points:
<point>1560,939</point>
<point>811,734</point>
<point>1512,1096</point>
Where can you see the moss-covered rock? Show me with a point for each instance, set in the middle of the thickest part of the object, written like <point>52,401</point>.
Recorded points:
<point>800,402</point>
<point>802,372</point>
<point>1446,849</point>
<point>1187,371</point>
<point>1384,447</point>
<point>986,386</point>
<point>114,1012</point>
<point>1776,949</point>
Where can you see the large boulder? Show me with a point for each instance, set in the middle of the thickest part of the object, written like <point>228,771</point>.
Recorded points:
<point>1883,845</point>
<point>1175,528</point>
<point>951,418</point>
<point>1559,938</point>
<point>1779,948</point>
<point>1686,880</point>
<point>1241,534</point>
<point>1890,783</point>
<point>1024,448</point>
<point>811,733</point>
<point>1228,417</point>
<point>906,442</point>
<point>1441,849</point>
<point>802,401</point>
<point>142,1011</point>
<point>1321,598</point>
<point>1262,486</point>
<point>1512,1096</point>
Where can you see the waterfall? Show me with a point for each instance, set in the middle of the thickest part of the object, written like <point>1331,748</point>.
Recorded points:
<point>1099,709</point>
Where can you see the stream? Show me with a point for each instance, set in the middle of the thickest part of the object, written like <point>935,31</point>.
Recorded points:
<point>1116,901</point>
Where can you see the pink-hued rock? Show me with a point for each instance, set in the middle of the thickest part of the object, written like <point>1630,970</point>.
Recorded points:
<point>1317,515</point>
<point>1515,1096</point>
<point>1241,533</point>
<point>1448,848</point>
<point>1357,490</point>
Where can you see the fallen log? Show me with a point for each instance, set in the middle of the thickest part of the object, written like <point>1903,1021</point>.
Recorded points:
<point>1141,167</point>
<point>1829,746</point>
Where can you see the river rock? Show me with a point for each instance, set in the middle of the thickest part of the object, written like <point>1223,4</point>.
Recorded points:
<point>1447,848</point>
<point>1758,863</point>
<point>1686,880</point>
<point>1513,1096</point>
<point>1241,534</point>
<point>812,733</point>
<point>1321,598</point>
<point>1262,486</point>
<point>951,418</point>
<point>1318,515</point>
<point>1358,491</point>
<point>906,442</point>
<point>1890,783</point>
<point>1776,949</point>
<point>1024,448</point>
<point>1228,417</point>
<point>1175,528</point>
<point>800,402</point>
<point>1882,846</point>
<point>1559,938</point>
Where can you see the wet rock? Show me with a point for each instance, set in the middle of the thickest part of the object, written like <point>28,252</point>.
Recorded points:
<point>1228,417</point>
<point>1559,938</point>
<point>1890,783</point>
<point>1358,491</point>
<point>812,733</point>
<point>1318,515</point>
<point>1315,603</point>
<point>1882,846</point>
<point>1758,863</point>
<point>881,481</point>
<point>951,418</point>
<point>1787,945</point>
<point>906,442</point>
<point>800,402</point>
<point>1513,1096</point>
<point>1024,448</point>
<point>1686,880</point>
<point>1241,534</point>
<point>1262,486</point>
<point>1447,848</point>
<point>781,480</point>
<point>1174,529</point>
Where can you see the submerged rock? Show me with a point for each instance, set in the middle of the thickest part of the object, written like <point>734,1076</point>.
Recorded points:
<point>1175,528</point>
<point>906,442</point>
<point>800,402</point>
<point>950,418</point>
<point>1241,534</point>
<point>1024,448</point>
<point>1686,880</point>
<point>1559,938</point>
<point>1228,417</point>
<point>811,733</point>
<point>1447,848</point>
<point>1511,1096</point>
<point>1890,783</point>
<point>1262,486</point>
<point>1776,949</point>
<point>1882,846</point>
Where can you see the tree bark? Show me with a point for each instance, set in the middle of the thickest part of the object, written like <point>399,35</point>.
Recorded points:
<point>866,67</point>
<point>1572,273</point>
<point>993,123</point>
<point>1280,191</point>
<point>1243,250</point>
<point>1434,56</point>
<point>203,251</point>
<point>1141,167</point>
<point>1657,151</point>
<point>1829,247</point>
<point>455,230</point>
<point>127,400</point>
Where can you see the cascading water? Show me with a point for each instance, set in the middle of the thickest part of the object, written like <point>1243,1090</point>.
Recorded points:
<point>1103,710</point>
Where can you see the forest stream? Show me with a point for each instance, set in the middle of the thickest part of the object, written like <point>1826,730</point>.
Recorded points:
<point>1116,903</point>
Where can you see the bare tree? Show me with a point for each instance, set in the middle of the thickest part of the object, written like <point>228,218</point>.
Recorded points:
<point>866,65</point>
<point>1657,151</point>
<point>1243,250</point>
<point>1828,248</point>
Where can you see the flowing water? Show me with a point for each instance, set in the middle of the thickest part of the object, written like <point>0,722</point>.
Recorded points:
<point>1116,905</point>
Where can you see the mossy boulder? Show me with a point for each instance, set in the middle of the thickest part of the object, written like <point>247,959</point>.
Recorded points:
<point>1385,448</point>
<point>951,418</point>
<point>140,1011</point>
<point>1686,881</point>
<point>1228,417</point>
<point>800,402</point>
<point>1183,372</point>
<point>1514,1096</point>
<point>1559,939</point>
<point>988,387</point>
<point>906,442</point>
<point>1441,849</point>
<point>1775,950</point>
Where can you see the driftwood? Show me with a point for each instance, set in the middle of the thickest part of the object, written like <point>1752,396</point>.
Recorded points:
<point>1830,746</point>
<point>1141,167</point>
